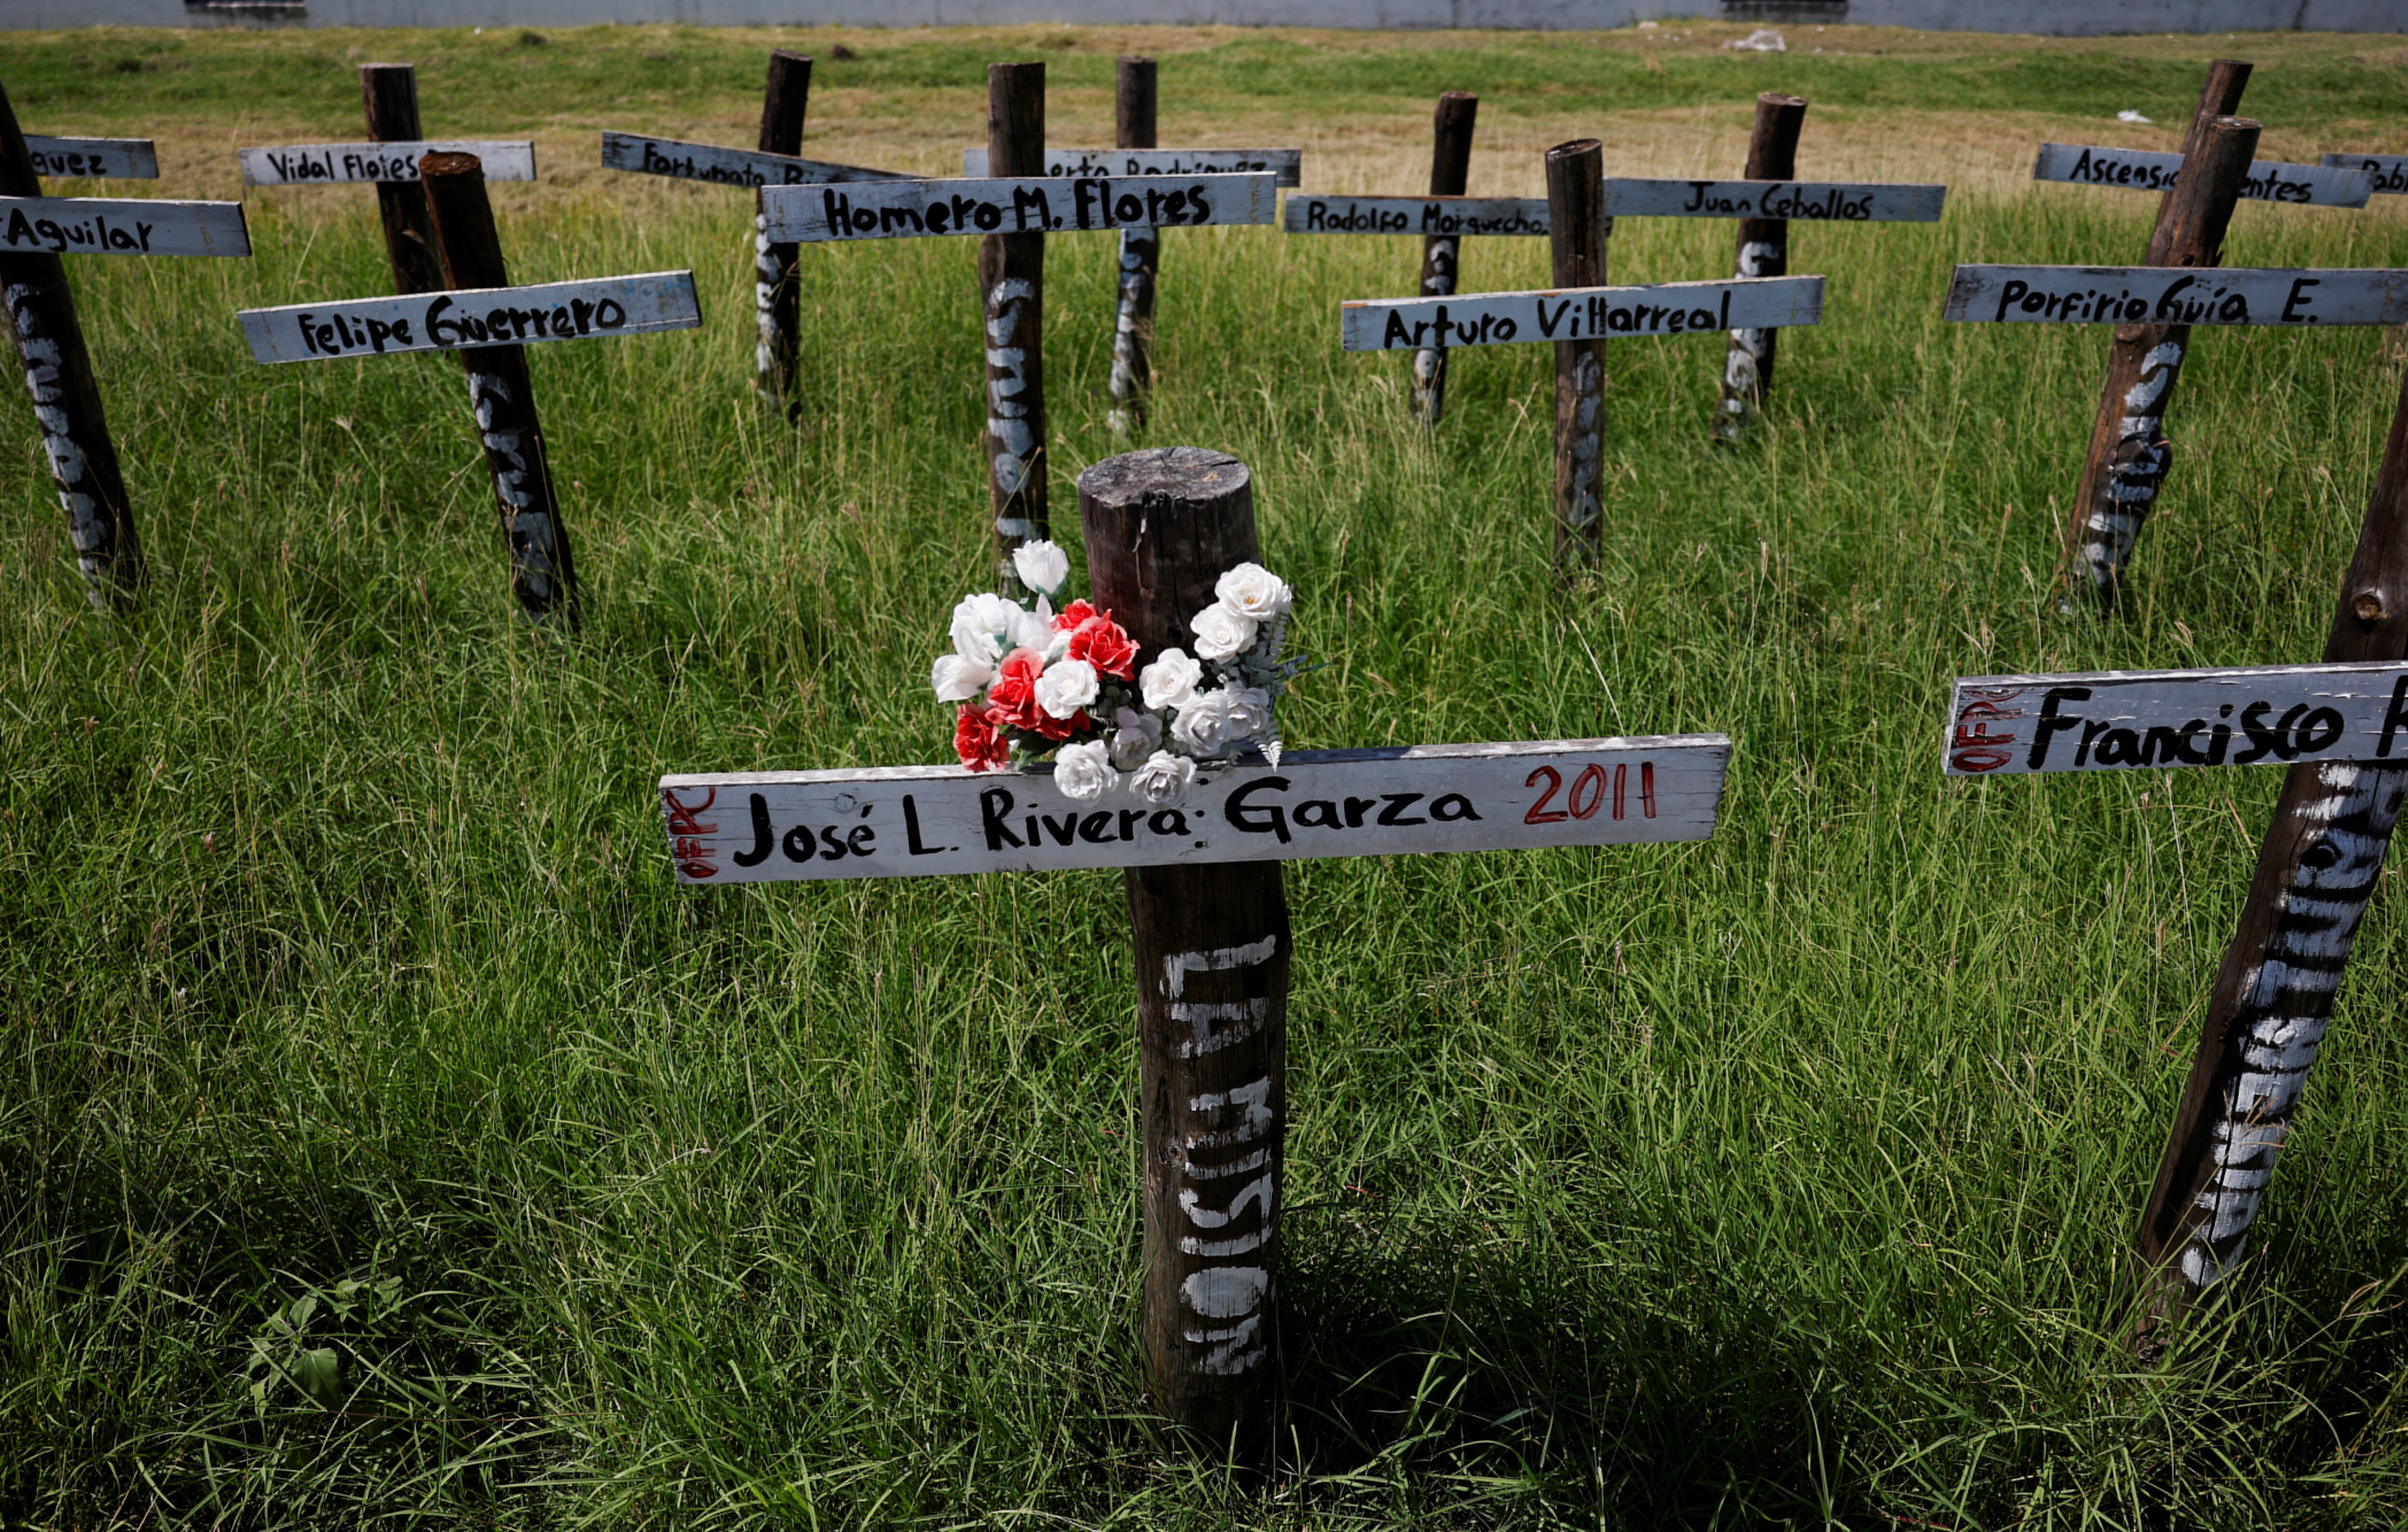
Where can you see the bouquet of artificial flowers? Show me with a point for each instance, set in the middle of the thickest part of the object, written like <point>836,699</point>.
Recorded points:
<point>1032,682</point>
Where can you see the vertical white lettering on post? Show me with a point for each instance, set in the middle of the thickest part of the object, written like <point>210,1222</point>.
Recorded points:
<point>767,271</point>
<point>1006,405</point>
<point>1132,337</point>
<point>1438,282</point>
<point>1236,1176</point>
<point>1742,362</point>
<point>2287,1002</point>
<point>529,528</point>
<point>42,362</point>
<point>2136,466</point>
<point>1588,384</point>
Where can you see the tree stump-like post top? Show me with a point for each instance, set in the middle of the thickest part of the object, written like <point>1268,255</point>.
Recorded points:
<point>1012,283</point>
<point>41,316</point>
<point>1576,239</point>
<point>1134,99</point>
<point>389,92</point>
<point>2124,465</point>
<point>1763,251</point>
<point>776,302</point>
<point>542,575</point>
<point>1211,946</point>
<point>1442,253</point>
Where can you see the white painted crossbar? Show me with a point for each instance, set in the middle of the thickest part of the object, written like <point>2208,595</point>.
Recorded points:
<point>902,822</point>
<point>2112,719</point>
<point>1579,313</point>
<point>2324,185</point>
<point>109,226</point>
<point>1417,215</point>
<point>2173,295</point>
<point>490,316</point>
<point>1818,202</point>
<point>1285,165</point>
<point>330,164</point>
<point>2387,173</point>
<point>101,159</point>
<point>682,161</point>
<point>918,209</point>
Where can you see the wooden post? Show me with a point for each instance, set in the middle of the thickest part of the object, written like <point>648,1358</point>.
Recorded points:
<point>390,92</point>
<point>67,398</point>
<point>1012,280</point>
<point>2274,997</point>
<point>1763,251</point>
<point>2128,453</point>
<point>1211,946</point>
<point>1133,113</point>
<point>1576,237</point>
<point>1450,170</point>
<point>542,575</point>
<point>776,302</point>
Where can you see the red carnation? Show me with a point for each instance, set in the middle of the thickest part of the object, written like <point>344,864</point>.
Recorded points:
<point>1013,695</point>
<point>977,740</point>
<point>1102,643</point>
<point>1069,617</point>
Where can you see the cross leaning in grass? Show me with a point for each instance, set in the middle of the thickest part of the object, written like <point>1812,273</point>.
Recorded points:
<point>777,302</point>
<point>1167,530</point>
<point>1011,213</point>
<point>489,323</point>
<point>2341,727</point>
<point>35,232</point>
<point>1578,315</point>
<point>1135,153</point>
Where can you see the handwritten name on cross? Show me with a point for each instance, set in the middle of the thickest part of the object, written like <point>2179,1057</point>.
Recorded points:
<point>2342,729</point>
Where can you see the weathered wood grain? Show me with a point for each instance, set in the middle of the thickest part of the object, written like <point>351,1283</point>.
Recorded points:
<point>1987,294</point>
<point>114,226</point>
<point>588,309</point>
<point>2325,185</point>
<point>334,165</point>
<point>1790,201</point>
<point>901,822</point>
<point>98,159</point>
<point>389,105</point>
<point>2387,173</point>
<point>1136,103</point>
<point>1284,165</point>
<point>777,299</point>
<point>1015,204</point>
<point>1763,251</point>
<point>645,155</point>
<point>1454,216</point>
<point>1451,133</point>
<point>2120,720</point>
<point>1497,318</point>
<point>1576,249</point>
<point>1011,293</point>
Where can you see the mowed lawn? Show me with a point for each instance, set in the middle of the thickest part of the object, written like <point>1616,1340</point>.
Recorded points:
<point>385,1138</point>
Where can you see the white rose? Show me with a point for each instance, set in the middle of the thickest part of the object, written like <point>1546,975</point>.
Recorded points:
<point>1164,779</point>
<point>1041,565</point>
<point>1036,630</point>
<point>957,679</point>
<point>981,630</point>
<point>1251,591</point>
<point>1136,736</point>
<point>1067,687</point>
<point>1083,773</point>
<point>1169,681</point>
<point>1221,632</point>
<point>1249,715</point>
<point>1203,724</point>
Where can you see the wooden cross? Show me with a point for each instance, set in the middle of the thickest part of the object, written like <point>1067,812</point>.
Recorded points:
<point>2342,728</point>
<point>35,232</point>
<point>1578,314</point>
<point>1133,101</point>
<point>2153,308</point>
<point>489,323</point>
<point>777,301</point>
<point>1011,213</point>
<point>389,161</point>
<point>1207,910</point>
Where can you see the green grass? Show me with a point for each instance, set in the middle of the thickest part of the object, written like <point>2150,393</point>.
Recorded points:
<point>347,1003</point>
